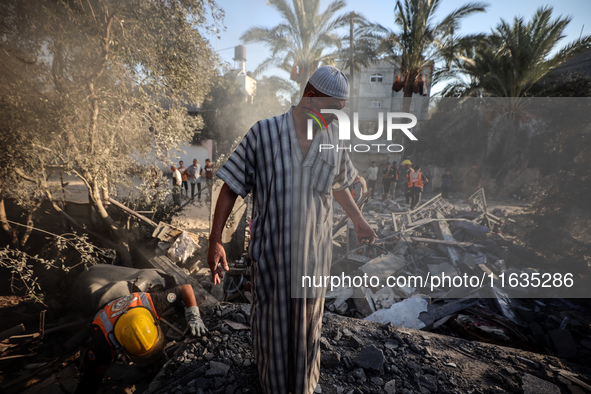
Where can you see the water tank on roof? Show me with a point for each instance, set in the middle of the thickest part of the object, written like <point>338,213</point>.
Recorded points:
<point>240,53</point>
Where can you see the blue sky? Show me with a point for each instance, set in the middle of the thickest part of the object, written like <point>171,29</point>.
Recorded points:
<point>240,15</point>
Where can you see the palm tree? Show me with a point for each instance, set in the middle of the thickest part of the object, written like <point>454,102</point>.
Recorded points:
<point>303,41</point>
<point>517,56</point>
<point>421,43</point>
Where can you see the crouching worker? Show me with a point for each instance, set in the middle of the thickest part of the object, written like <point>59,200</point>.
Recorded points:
<point>130,325</point>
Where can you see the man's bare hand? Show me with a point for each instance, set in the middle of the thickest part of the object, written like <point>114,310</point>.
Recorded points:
<point>365,234</point>
<point>216,259</point>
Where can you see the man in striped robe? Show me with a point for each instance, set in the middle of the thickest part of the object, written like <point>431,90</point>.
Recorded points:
<point>293,183</point>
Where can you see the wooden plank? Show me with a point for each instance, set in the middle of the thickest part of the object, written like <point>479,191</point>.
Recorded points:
<point>12,331</point>
<point>132,212</point>
<point>442,242</point>
<point>444,233</point>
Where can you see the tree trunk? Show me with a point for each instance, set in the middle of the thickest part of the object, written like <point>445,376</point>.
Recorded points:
<point>409,81</point>
<point>118,234</point>
<point>12,233</point>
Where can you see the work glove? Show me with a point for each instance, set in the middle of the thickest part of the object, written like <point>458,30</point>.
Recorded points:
<point>194,322</point>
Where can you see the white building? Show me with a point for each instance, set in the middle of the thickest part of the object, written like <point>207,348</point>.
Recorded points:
<point>371,93</point>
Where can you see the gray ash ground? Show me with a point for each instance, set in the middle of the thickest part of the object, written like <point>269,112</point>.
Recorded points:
<point>366,357</point>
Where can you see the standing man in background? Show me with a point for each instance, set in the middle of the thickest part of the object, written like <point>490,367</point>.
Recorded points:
<point>194,172</point>
<point>293,185</point>
<point>177,181</point>
<point>407,171</point>
<point>416,184</point>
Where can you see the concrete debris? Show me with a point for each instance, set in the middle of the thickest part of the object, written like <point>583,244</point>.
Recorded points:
<point>402,314</point>
<point>360,356</point>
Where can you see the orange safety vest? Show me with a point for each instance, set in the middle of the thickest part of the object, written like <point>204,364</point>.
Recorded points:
<point>106,318</point>
<point>416,179</point>
<point>408,178</point>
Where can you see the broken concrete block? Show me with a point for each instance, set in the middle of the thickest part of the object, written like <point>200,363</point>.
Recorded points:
<point>330,359</point>
<point>443,268</point>
<point>362,305</point>
<point>390,387</point>
<point>217,369</point>
<point>370,358</point>
<point>403,314</point>
<point>384,266</point>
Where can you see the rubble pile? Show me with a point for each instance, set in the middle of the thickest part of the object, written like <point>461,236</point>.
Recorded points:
<point>366,357</point>
<point>440,239</point>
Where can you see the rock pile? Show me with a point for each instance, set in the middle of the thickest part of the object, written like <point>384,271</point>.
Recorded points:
<point>361,357</point>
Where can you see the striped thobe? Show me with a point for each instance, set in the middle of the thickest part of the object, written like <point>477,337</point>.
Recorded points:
<point>288,189</point>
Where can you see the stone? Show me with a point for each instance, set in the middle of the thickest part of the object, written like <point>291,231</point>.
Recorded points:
<point>391,344</point>
<point>377,381</point>
<point>324,344</point>
<point>217,369</point>
<point>330,360</point>
<point>318,389</point>
<point>390,387</point>
<point>355,342</point>
<point>359,375</point>
<point>534,385</point>
<point>370,358</point>
<point>429,382</point>
<point>416,348</point>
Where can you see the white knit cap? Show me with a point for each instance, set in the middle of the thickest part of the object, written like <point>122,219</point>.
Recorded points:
<point>330,81</point>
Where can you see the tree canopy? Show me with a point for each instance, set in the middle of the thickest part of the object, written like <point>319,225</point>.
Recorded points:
<point>305,40</point>
<point>84,85</point>
<point>515,56</point>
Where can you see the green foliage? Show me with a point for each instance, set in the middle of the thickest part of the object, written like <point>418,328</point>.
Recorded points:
<point>303,41</point>
<point>420,43</point>
<point>22,265</point>
<point>516,56</point>
<point>90,86</point>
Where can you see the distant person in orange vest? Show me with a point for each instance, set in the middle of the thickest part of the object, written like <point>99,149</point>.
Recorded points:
<point>416,182</point>
<point>130,325</point>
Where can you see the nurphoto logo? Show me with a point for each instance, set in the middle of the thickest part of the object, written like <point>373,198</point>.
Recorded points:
<point>394,122</point>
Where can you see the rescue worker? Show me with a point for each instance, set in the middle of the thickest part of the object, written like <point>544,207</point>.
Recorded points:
<point>416,183</point>
<point>130,325</point>
<point>407,167</point>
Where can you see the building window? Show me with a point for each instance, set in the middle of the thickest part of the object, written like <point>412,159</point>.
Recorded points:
<point>375,104</point>
<point>376,78</point>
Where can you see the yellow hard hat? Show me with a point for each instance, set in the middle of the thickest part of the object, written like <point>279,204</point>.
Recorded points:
<point>405,162</point>
<point>137,331</point>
